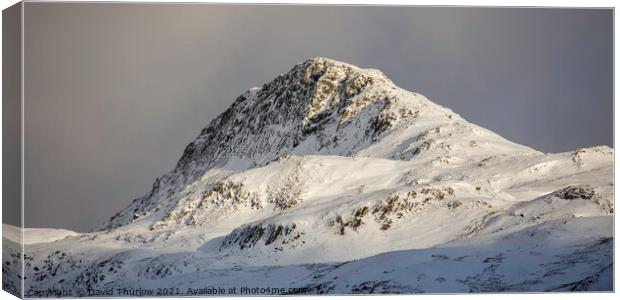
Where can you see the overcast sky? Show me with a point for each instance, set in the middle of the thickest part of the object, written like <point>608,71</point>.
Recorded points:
<point>114,92</point>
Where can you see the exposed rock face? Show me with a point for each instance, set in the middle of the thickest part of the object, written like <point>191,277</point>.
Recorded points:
<point>577,192</point>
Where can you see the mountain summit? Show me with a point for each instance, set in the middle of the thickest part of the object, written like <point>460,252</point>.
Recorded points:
<point>324,107</point>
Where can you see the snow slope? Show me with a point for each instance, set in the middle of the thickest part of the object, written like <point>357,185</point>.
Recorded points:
<point>34,235</point>
<point>330,179</point>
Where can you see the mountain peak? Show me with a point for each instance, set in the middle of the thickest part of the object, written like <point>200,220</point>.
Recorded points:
<point>283,113</point>
<point>324,63</point>
<point>323,107</point>
<point>334,69</point>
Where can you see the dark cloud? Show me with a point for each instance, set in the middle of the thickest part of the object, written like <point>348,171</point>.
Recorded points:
<point>114,92</point>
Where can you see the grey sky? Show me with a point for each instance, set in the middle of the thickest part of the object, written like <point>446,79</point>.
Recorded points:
<point>11,115</point>
<point>114,92</point>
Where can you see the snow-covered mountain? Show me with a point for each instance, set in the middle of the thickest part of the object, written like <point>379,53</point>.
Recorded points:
<point>331,179</point>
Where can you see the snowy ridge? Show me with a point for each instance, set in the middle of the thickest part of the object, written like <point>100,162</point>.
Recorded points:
<point>321,107</point>
<point>331,179</point>
<point>34,235</point>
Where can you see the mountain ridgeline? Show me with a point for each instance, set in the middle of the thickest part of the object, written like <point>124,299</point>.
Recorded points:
<point>320,107</point>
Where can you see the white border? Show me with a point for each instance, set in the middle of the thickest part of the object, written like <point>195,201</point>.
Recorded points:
<point>22,147</point>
